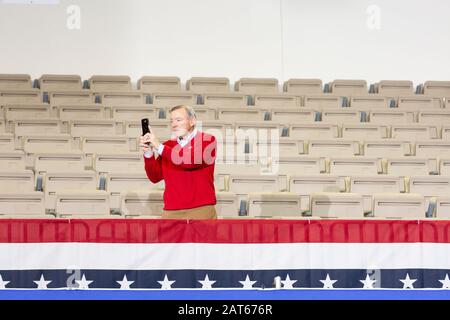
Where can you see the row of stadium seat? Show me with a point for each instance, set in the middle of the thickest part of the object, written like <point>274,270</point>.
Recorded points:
<point>40,161</point>
<point>222,99</point>
<point>221,84</point>
<point>96,204</point>
<point>282,115</point>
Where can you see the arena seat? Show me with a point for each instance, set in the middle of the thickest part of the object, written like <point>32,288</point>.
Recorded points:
<point>337,205</point>
<point>398,206</point>
<point>15,82</point>
<point>395,87</point>
<point>151,84</point>
<point>272,205</point>
<point>256,85</point>
<point>208,84</point>
<point>102,83</point>
<point>56,82</point>
<point>303,86</point>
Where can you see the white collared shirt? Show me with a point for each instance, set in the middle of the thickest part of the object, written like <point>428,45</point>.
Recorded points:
<point>181,142</point>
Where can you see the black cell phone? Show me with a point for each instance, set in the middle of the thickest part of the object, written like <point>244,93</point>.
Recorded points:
<point>145,126</point>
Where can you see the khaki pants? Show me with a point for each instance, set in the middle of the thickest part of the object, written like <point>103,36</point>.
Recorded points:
<point>204,212</point>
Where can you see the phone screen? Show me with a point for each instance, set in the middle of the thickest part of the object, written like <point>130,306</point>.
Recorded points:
<point>145,126</point>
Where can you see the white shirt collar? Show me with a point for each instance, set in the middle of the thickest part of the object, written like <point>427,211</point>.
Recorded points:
<point>186,140</point>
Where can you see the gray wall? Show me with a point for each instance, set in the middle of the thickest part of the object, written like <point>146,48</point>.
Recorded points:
<point>327,39</point>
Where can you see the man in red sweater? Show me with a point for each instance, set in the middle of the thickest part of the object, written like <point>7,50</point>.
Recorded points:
<point>186,164</point>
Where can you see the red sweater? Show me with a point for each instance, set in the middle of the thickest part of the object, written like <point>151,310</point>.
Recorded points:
<point>188,172</point>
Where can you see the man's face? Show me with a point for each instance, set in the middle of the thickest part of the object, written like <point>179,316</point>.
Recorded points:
<point>180,123</point>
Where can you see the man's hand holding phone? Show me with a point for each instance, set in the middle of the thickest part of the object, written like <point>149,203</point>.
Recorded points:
<point>148,140</point>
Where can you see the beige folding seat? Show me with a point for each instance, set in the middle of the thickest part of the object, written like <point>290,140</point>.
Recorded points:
<point>444,166</point>
<point>70,203</point>
<point>55,182</point>
<point>101,83</point>
<point>150,84</point>
<point>409,166</point>
<point>285,147</point>
<point>16,181</point>
<point>445,132</point>
<point>433,149</point>
<point>299,165</point>
<point>161,128</point>
<point>391,116</point>
<point>430,186</point>
<point>26,111</point>
<point>274,204</point>
<point>303,86</point>
<point>119,162</point>
<point>79,112</point>
<point>57,82</point>
<point>387,147</point>
<point>22,203</point>
<point>12,160</point>
<point>414,131</point>
<point>276,100</point>
<point>221,182</point>
<point>36,127</point>
<point>225,100</point>
<point>309,183</point>
<point>169,100</point>
<point>369,185</point>
<point>202,113</point>
<point>134,112</point>
<point>434,117</point>
<point>355,166</point>
<point>256,85</point>
<point>246,183</point>
<point>239,167</point>
<point>316,130</point>
<point>142,203</point>
<point>115,98</point>
<point>341,115</point>
<point>20,96</point>
<point>124,182</point>
<point>337,205</point>
<point>208,84</point>
<point>323,101</point>
<point>364,131</point>
<point>330,148</point>
<point>7,142</point>
<point>229,149</point>
<point>419,103</point>
<point>219,129</point>
<point>437,88</point>
<point>398,206</point>
<point>47,143</point>
<point>236,114</point>
<point>15,82</point>
<point>395,88</point>
<point>370,102</point>
<point>70,97</point>
<point>443,207</point>
<point>259,129</point>
<point>294,115</point>
<point>101,127</point>
<point>349,87</point>
<point>95,144</point>
<point>73,161</point>
<point>227,205</point>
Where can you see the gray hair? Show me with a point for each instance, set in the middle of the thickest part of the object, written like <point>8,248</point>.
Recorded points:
<point>189,110</point>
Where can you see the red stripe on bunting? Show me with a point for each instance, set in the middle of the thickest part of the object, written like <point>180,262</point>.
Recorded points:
<point>223,231</point>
